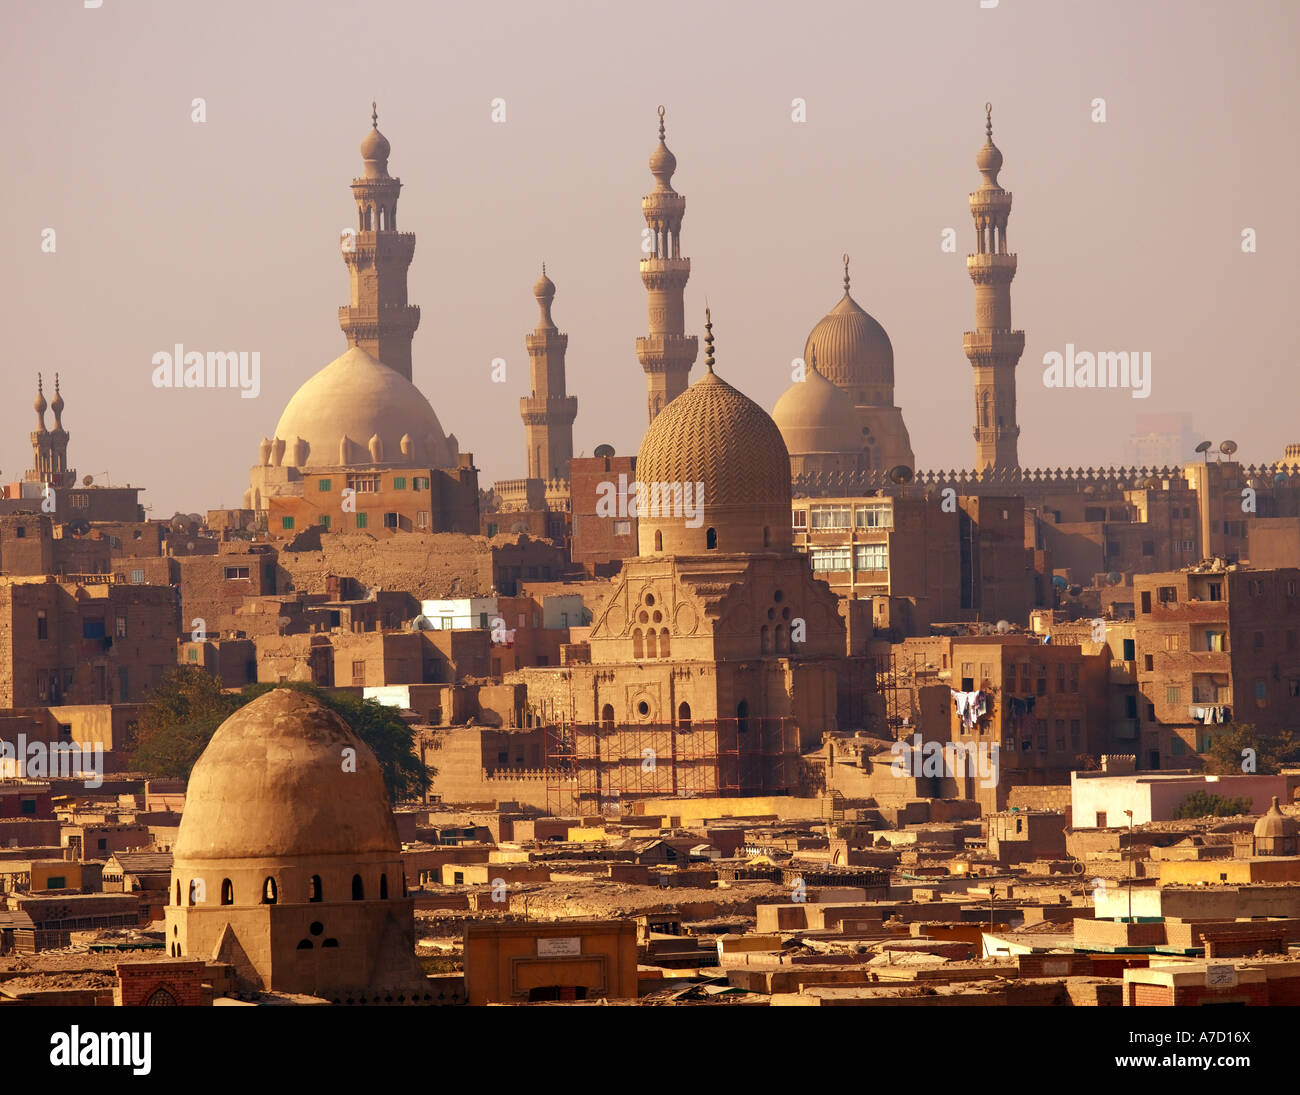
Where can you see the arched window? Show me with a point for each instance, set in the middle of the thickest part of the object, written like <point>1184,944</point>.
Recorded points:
<point>383,887</point>
<point>711,539</point>
<point>638,651</point>
<point>659,540</point>
<point>178,891</point>
<point>782,645</point>
<point>663,642</point>
<point>607,717</point>
<point>227,892</point>
<point>196,889</point>
<point>370,218</point>
<point>358,888</point>
<point>304,944</point>
<point>268,891</point>
<point>988,421</point>
<point>684,715</point>
<point>314,891</point>
<point>742,717</point>
<point>650,644</point>
<point>764,640</point>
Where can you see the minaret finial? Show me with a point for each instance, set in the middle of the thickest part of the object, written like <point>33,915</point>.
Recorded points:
<point>708,337</point>
<point>846,273</point>
<point>988,120</point>
<point>374,114</point>
<point>543,268</point>
<point>661,121</point>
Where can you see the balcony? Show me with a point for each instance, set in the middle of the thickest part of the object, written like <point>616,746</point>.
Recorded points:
<point>1123,672</point>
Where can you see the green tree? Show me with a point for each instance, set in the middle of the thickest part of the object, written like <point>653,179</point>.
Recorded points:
<point>1228,756</point>
<point>1205,804</point>
<point>185,710</point>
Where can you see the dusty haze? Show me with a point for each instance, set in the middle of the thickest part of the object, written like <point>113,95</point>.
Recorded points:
<point>225,235</point>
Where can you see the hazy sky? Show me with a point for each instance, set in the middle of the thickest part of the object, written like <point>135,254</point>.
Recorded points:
<point>225,235</point>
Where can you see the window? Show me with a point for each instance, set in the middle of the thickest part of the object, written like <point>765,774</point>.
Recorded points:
<point>42,625</point>
<point>875,515</point>
<point>1216,591</point>
<point>358,888</point>
<point>1173,694</point>
<point>420,482</point>
<point>79,501</point>
<point>624,528</point>
<point>871,557</point>
<point>1261,690</point>
<point>1146,601</point>
<point>801,519</point>
<point>193,653</point>
<point>399,482</point>
<point>711,539</point>
<point>824,517</point>
<point>1293,686</point>
<point>1171,642</point>
<point>232,573</point>
<point>830,559</point>
<point>364,484</point>
<point>1148,663</point>
<point>324,484</point>
<point>1167,594</point>
<point>325,520</point>
<point>1060,676</point>
<point>137,577</point>
<point>359,672</point>
<point>92,627</point>
<point>20,532</point>
<point>56,882</point>
<point>390,520</point>
<point>1257,587</point>
<point>286,522</point>
<point>119,627</point>
<point>1074,678</point>
<point>1214,641</point>
<point>363,520</point>
<point>422,519</point>
<point>227,892</point>
<point>1148,547</point>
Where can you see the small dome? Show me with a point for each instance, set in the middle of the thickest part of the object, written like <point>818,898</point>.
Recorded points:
<point>543,287</point>
<point>272,784</point>
<point>662,162</point>
<point>1275,825</point>
<point>854,353</point>
<point>375,147</point>
<point>814,416</point>
<point>40,405</point>
<point>989,161</point>
<point>360,398</point>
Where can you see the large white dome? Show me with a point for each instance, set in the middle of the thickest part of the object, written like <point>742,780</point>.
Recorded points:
<point>356,398</point>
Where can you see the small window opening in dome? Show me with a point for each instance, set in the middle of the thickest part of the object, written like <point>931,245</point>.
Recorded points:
<point>316,927</point>
<point>767,537</point>
<point>314,893</point>
<point>304,944</point>
<point>268,892</point>
<point>227,892</point>
<point>711,539</point>
<point>778,596</point>
<point>659,540</point>
<point>383,887</point>
<point>358,888</point>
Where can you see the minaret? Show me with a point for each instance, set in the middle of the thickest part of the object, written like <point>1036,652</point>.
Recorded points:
<point>379,320</point>
<point>667,352</point>
<point>548,413</point>
<point>58,439</point>
<point>40,472</point>
<point>993,347</point>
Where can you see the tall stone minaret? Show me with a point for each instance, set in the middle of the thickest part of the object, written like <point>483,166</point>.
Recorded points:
<point>993,347</point>
<point>667,352</point>
<point>378,320</point>
<point>548,413</point>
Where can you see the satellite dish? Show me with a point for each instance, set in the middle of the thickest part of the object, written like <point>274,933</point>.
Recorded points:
<point>1074,591</point>
<point>1204,446</point>
<point>79,527</point>
<point>604,450</point>
<point>900,474</point>
<point>1059,582</point>
<point>1228,448</point>
<point>1003,626</point>
<point>86,480</point>
<point>1113,577</point>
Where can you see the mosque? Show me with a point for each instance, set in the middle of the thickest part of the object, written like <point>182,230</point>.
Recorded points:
<point>360,424</point>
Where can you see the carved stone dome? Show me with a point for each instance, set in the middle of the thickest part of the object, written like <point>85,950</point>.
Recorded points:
<point>854,353</point>
<point>273,784</point>
<point>714,435</point>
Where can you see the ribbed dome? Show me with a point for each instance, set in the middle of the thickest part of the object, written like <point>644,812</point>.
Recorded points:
<point>711,433</point>
<point>271,785</point>
<point>663,163</point>
<point>1276,825</point>
<point>357,397</point>
<point>854,353</point>
<point>814,416</point>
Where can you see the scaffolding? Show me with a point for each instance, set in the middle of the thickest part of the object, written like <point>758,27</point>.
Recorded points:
<point>604,768</point>
<point>896,682</point>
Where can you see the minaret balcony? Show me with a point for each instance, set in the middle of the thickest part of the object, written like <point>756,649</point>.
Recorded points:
<point>993,198</point>
<point>665,273</point>
<point>391,316</point>
<point>555,410</point>
<point>993,347</point>
<point>658,353</point>
<point>664,205</point>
